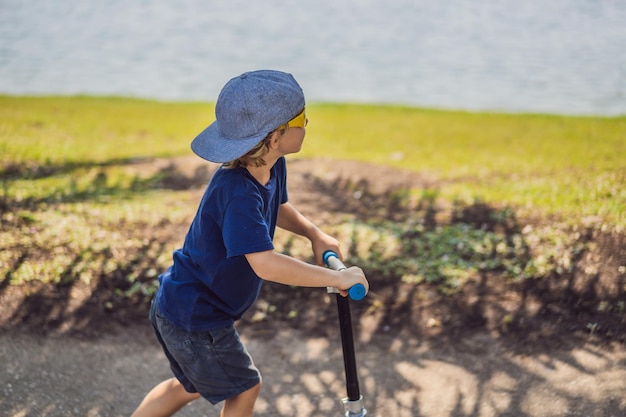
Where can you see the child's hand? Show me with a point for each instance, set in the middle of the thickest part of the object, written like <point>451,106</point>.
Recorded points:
<point>321,244</point>
<point>350,277</point>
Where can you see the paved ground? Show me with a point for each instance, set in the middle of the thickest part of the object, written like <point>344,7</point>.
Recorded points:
<point>399,377</point>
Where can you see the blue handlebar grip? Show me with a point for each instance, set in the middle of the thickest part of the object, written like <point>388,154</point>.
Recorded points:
<point>327,255</point>
<point>356,292</point>
<point>331,260</point>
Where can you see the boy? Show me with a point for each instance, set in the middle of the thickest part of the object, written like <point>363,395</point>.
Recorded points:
<point>228,250</point>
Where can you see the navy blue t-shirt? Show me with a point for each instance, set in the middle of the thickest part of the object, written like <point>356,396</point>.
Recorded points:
<point>210,283</point>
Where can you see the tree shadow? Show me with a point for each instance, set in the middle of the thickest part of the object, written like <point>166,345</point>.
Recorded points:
<point>117,293</point>
<point>82,182</point>
<point>414,342</point>
<point>551,319</point>
<point>87,309</point>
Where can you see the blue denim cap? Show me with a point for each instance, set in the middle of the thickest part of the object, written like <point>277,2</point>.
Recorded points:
<point>248,108</point>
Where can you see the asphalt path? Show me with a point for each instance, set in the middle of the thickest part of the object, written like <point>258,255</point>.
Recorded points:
<point>400,376</point>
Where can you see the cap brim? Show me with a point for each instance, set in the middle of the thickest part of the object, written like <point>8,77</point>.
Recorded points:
<point>213,147</point>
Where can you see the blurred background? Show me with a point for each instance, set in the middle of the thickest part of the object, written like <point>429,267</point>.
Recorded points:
<point>556,56</point>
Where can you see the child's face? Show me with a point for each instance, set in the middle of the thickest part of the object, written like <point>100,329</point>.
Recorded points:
<point>291,141</point>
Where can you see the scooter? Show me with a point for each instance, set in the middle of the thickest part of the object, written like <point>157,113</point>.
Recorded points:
<point>353,404</point>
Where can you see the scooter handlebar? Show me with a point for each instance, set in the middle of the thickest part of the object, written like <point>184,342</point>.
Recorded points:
<point>356,292</point>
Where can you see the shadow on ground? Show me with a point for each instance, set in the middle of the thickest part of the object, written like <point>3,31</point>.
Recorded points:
<point>529,348</point>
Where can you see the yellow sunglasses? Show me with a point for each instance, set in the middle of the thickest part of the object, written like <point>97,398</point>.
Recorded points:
<point>299,121</point>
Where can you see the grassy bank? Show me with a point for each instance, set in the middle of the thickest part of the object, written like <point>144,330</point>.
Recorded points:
<point>76,203</point>
<point>571,166</point>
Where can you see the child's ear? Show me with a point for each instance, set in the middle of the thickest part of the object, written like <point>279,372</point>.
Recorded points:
<point>274,139</point>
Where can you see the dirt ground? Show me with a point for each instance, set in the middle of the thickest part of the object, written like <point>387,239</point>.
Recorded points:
<point>419,354</point>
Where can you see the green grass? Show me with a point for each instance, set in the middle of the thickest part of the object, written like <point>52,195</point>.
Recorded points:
<point>563,165</point>
<point>572,166</point>
<point>70,209</point>
<point>457,144</point>
<point>83,130</point>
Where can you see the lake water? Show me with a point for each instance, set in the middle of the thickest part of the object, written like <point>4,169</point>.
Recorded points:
<point>555,56</point>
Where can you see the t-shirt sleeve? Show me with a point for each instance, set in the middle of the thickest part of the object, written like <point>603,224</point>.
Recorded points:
<point>245,230</point>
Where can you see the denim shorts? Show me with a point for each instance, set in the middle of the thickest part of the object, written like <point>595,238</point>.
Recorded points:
<point>213,363</point>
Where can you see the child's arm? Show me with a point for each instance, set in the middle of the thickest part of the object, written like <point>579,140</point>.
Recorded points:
<point>276,267</point>
<point>292,220</point>
<point>284,269</point>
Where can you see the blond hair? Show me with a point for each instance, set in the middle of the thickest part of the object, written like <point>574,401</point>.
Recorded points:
<point>255,156</point>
